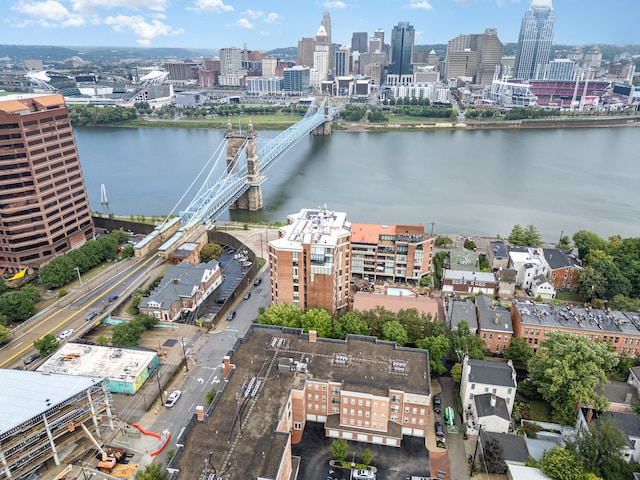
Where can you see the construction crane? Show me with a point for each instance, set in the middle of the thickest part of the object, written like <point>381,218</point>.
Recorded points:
<point>106,462</point>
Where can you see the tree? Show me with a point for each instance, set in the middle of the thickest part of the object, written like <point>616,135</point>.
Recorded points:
<point>456,372</point>
<point>564,243</point>
<point>5,333</point>
<point>153,471</point>
<point>127,251</point>
<point>587,241</point>
<point>462,341</point>
<point>443,241</point>
<point>349,323</point>
<point>469,244</point>
<point>339,449</point>
<point>281,314</point>
<point>46,344</point>
<point>395,332</point>
<point>590,283</point>
<point>568,370</point>
<point>211,251</point>
<point>367,456</point>
<point>17,305</point>
<point>532,236</point>
<point>518,350</point>
<point>493,455</point>
<point>319,320</point>
<point>516,237</point>
<point>600,447</point>
<point>561,464</point>
<point>438,346</point>
<point>31,292</point>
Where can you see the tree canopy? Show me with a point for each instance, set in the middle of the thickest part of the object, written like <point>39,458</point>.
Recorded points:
<point>211,251</point>
<point>567,371</point>
<point>18,305</point>
<point>525,237</point>
<point>46,344</point>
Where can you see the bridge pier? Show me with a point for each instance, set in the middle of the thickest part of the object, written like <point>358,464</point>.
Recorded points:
<point>252,198</point>
<point>325,128</point>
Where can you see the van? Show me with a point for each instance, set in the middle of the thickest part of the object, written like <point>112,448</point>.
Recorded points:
<point>439,429</point>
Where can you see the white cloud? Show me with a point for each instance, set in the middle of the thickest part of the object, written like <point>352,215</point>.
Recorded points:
<point>244,23</point>
<point>91,6</point>
<point>215,6</point>
<point>144,30</point>
<point>334,4</point>
<point>421,5</point>
<point>255,14</point>
<point>48,13</point>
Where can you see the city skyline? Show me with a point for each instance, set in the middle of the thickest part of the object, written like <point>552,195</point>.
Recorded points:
<point>269,24</point>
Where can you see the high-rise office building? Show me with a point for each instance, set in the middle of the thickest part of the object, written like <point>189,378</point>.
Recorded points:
<point>475,56</point>
<point>296,79</point>
<point>321,61</point>
<point>43,206</point>
<point>309,262</point>
<point>326,23</point>
<point>306,47</point>
<point>402,38</point>
<point>341,61</point>
<point>535,40</point>
<point>360,42</point>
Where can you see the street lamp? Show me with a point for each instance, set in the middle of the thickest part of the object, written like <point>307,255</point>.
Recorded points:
<point>186,367</point>
<point>159,387</point>
<point>77,269</point>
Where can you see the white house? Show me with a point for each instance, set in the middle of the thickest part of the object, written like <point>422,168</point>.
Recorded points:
<point>543,288</point>
<point>479,378</point>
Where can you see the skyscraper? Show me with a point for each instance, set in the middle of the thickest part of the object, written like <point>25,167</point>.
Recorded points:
<point>326,23</point>
<point>44,207</point>
<point>534,42</point>
<point>360,42</point>
<point>402,38</point>
<point>306,47</point>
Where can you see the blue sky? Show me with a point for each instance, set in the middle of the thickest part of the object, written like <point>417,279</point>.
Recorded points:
<point>268,24</point>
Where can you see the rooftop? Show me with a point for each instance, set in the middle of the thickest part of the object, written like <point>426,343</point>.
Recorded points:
<point>38,393</point>
<point>462,259</point>
<point>513,446</point>
<point>117,364</point>
<point>491,373</point>
<point>468,276</point>
<point>316,227</point>
<point>499,249</point>
<point>394,303</point>
<point>484,408</point>
<point>464,311</point>
<point>493,317</point>
<point>258,451</point>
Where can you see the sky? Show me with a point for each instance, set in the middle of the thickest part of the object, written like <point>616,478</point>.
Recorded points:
<point>267,24</point>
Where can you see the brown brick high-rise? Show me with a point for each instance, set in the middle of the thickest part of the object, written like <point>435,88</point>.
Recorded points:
<point>44,209</point>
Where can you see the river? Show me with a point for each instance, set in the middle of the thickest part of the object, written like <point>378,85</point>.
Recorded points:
<point>473,182</point>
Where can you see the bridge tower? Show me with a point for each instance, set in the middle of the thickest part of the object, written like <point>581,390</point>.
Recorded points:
<point>325,128</point>
<point>252,198</point>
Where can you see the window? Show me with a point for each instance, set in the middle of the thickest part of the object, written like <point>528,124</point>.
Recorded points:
<point>335,390</point>
<point>310,397</point>
<point>360,403</point>
<point>344,411</point>
<point>473,386</point>
<point>395,398</point>
<point>297,426</point>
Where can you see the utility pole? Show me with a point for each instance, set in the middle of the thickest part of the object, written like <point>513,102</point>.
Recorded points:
<point>77,269</point>
<point>184,353</point>
<point>432,224</point>
<point>159,387</point>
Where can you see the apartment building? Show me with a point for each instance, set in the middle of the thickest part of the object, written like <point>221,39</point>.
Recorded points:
<point>43,203</point>
<point>390,253</point>
<point>535,321</point>
<point>310,262</point>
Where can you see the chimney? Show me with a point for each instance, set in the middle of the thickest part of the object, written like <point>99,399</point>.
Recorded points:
<point>200,413</point>
<point>493,400</point>
<point>175,281</point>
<point>313,336</point>
<point>496,319</point>
<point>227,366</point>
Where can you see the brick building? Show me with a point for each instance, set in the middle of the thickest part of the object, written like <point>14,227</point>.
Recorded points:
<point>43,203</point>
<point>310,262</point>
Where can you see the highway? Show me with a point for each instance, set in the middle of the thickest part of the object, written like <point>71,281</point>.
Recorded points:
<point>70,311</point>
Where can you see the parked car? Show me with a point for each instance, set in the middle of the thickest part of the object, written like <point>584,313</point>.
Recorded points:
<point>439,429</point>
<point>91,316</point>
<point>31,358</point>
<point>231,316</point>
<point>363,475</point>
<point>221,300</point>
<point>172,399</point>
<point>257,281</point>
<point>113,298</point>
<point>65,334</point>
<point>437,404</point>
<point>247,296</point>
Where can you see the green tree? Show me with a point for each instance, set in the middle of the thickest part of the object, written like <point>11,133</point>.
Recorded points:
<point>516,237</point>
<point>438,347</point>
<point>46,344</point>
<point>17,305</point>
<point>564,243</point>
<point>600,447</point>
<point>367,456</point>
<point>281,314</point>
<point>5,334</point>
<point>493,455</point>
<point>319,320</point>
<point>469,244</point>
<point>414,322</point>
<point>561,464</point>
<point>339,449</point>
<point>518,350</point>
<point>153,471</point>
<point>568,370</point>
<point>442,241</point>
<point>587,241</point>
<point>350,323</point>
<point>31,292</point>
<point>210,395</point>
<point>395,332</point>
<point>590,283</point>
<point>462,341</point>
<point>532,236</point>
<point>127,251</point>
<point>211,251</point>
<point>127,334</point>
<point>456,372</point>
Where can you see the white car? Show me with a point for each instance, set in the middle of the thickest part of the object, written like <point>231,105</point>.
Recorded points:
<point>363,475</point>
<point>172,399</point>
<point>65,334</point>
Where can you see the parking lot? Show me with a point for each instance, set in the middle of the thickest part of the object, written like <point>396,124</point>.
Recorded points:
<point>392,463</point>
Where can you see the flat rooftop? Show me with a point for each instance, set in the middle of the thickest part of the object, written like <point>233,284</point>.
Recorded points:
<point>313,226</point>
<point>115,363</point>
<point>258,451</point>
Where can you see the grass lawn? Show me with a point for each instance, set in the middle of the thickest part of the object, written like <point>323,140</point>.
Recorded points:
<point>260,122</point>
<point>568,297</point>
<point>540,410</point>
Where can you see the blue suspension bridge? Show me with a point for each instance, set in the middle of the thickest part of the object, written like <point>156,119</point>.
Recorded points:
<point>233,175</point>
